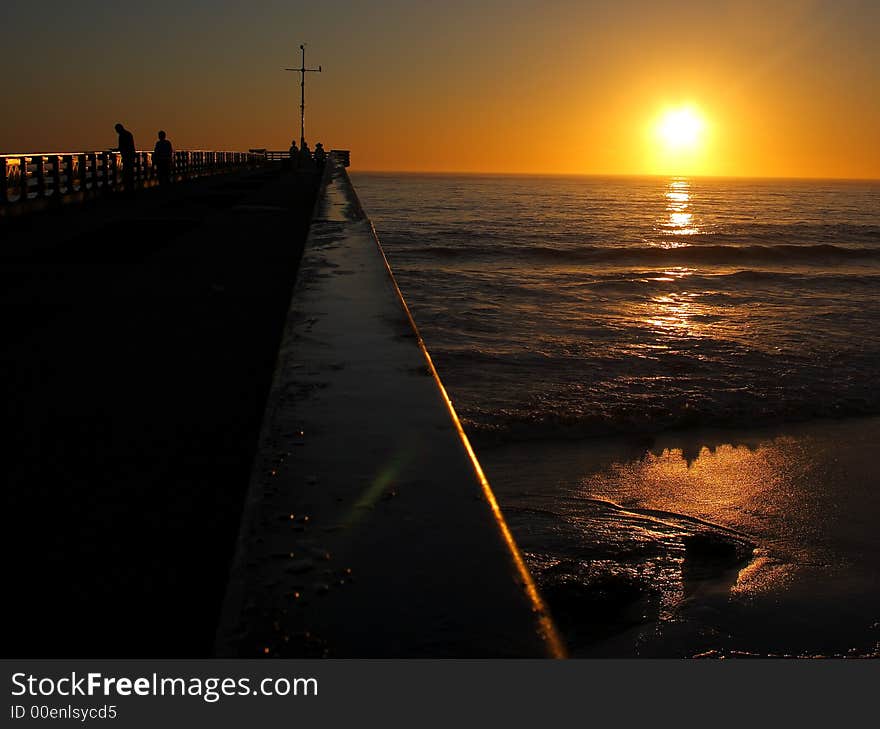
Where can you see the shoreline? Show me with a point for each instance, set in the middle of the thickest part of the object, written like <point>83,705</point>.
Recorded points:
<point>608,519</point>
<point>488,438</point>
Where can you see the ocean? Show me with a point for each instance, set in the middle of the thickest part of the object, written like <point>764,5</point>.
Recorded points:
<point>672,385</point>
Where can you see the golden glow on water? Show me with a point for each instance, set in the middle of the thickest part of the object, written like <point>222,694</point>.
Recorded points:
<point>726,489</point>
<point>679,314</point>
<point>625,513</point>
<point>762,491</point>
<point>719,484</point>
<point>730,485</point>
<point>680,220</point>
<point>762,575</point>
<point>673,313</point>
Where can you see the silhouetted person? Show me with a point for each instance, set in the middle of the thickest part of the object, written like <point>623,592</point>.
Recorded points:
<point>128,152</point>
<point>293,154</point>
<point>163,155</point>
<point>305,156</point>
<point>320,156</point>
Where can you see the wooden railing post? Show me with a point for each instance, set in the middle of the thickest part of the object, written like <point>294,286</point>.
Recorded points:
<point>56,178</point>
<point>4,182</point>
<point>73,170</point>
<point>23,177</point>
<point>40,174</point>
<point>105,170</point>
<point>114,170</point>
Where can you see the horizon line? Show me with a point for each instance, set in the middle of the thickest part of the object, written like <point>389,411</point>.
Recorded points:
<point>479,173</point>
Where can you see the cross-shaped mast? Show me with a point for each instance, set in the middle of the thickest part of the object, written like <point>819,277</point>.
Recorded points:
<point>302,104</point>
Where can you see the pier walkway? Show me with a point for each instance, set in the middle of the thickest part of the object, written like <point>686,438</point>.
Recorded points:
<point>139,341</point>
<point>170,389</point>
<point>370,530</point>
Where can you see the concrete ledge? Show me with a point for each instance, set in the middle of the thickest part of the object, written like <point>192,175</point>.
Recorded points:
<point>369,528</point>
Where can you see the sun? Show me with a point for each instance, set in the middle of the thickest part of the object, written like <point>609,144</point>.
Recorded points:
<point>680,129</point>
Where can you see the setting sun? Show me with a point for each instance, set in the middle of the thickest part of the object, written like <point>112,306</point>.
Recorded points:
<point>680,128</point>
<point>678,141</point>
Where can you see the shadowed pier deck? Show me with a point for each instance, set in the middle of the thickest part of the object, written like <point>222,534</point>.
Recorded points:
<point>139,340</point>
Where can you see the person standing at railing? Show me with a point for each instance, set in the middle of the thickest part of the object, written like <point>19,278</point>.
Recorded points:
<point>294,155</point>
<point>126,148</point>
<point>163,154</point>
<point>305,156</point>
<point>320,156</point>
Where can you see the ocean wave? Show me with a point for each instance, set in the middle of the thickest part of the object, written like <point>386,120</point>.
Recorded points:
<point>506,426</point>
<point>576,308</point>
<point>657,255</point>
<point>751,232</point>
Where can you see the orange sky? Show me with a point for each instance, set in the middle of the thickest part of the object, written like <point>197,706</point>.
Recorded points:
<point>786,88</point>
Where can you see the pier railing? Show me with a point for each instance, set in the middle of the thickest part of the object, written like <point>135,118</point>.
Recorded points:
<point>280,155</point>
<point>31,181</point>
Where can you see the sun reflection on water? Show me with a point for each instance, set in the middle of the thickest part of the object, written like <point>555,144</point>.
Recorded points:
<point>680,220</point>
<point>680,313</point>
<point>744,487</point>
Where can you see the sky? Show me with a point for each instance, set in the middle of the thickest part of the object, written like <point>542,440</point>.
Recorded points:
<point>781,89</point>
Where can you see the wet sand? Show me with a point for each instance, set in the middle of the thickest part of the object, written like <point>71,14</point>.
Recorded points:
<point>140,338</point>
<point>605,524</point>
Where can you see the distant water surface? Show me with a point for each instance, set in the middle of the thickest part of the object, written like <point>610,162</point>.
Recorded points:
<point>603,305</point>
<point>564,311</point>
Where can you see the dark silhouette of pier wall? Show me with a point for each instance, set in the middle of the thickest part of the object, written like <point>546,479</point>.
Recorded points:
<point>139,340</point>
<point>210,451</point>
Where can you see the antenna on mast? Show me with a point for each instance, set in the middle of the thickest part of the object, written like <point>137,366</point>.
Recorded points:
<point>302,84</point>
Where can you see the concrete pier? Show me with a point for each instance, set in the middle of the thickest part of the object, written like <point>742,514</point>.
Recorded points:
<point>139,343</point>
<point>369,529</point>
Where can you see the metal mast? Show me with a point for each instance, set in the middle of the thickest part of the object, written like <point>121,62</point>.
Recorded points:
<point>302,85</point>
